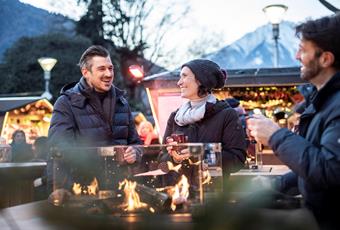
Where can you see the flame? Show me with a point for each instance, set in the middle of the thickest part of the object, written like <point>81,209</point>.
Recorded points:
<point>91,189</point>
<point>132,200</point>
<point>180,192</point>
<point>206,177</point>
<point>172,167</point>
<point>194,163</point>
<point>76,188</point>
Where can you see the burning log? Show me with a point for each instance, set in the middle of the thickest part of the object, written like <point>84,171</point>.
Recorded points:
<point>132,200</point>
<point>154,198</point>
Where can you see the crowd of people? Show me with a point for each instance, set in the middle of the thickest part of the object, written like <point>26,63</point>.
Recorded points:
<point>94,112</point>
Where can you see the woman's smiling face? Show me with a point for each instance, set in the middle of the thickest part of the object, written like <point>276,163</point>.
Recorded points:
<point>188,84</point>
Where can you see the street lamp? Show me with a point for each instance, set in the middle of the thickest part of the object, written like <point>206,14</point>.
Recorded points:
<point>47,64</point>
<point>275,14</point>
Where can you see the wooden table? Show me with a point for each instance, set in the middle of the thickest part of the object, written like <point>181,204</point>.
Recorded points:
<point>248,181</point>
<point>265,170</point>
<point>16,182</point>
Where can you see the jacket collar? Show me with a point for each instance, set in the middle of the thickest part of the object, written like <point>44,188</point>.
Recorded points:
<point>80,92</point>
<point>332,86</point>
<point>315,99</point>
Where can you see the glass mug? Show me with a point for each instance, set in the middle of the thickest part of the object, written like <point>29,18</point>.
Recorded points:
<point>179,138</point>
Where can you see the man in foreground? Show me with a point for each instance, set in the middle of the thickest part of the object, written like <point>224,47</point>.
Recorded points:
<point>313,154</point>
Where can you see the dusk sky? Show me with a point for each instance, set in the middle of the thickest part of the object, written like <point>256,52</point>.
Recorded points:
<point>229,19</point>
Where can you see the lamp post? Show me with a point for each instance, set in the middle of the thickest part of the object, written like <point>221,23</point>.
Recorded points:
<point>47,64</point>
<point>275,14</point>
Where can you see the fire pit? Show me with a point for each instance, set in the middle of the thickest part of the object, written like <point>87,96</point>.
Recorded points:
<point>98,181</point>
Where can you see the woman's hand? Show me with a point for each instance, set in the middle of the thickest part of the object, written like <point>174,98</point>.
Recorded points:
<point>177,155</point>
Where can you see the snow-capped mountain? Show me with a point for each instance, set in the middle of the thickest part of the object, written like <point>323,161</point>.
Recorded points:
<point>256,49</point>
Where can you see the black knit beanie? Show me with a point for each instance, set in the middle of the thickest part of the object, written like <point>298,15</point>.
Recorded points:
<point>208,73</point>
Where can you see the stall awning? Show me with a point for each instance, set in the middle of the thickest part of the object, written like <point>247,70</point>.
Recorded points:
<point>10,103</point>
<point>236,78</point>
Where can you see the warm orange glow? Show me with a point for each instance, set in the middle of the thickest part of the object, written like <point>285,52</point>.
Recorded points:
<point>180,192</point>
<point>93,187</point>
<point>172,167</point>
<point>206,177</point>
<point>194,163</point>
<point>76,188</point>
<point>136,71</point>
<point>132,200</point>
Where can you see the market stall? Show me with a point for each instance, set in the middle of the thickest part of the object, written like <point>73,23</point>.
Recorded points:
<point>270,90</point>
<point>31,114</point>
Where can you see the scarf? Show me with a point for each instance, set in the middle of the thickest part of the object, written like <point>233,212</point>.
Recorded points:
<point>193,111</point>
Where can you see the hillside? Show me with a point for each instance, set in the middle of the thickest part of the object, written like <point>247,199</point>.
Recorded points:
<point>19,19</point>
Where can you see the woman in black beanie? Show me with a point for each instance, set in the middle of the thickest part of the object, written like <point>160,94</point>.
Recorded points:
<point>204,118</point>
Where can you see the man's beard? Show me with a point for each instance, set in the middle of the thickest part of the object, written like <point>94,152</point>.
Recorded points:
<point>311,70</point>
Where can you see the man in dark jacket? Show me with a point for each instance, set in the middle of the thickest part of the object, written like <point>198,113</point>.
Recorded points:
<point>313,154</point>
<point>93,112</point>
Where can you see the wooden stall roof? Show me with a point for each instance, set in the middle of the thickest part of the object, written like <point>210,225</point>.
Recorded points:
<point>10,103</point>
<point>237,78</point>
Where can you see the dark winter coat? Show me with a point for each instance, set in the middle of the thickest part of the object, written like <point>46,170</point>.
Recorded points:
<point>220,124</point>
<point>314,154</point>
<point>78,117</point>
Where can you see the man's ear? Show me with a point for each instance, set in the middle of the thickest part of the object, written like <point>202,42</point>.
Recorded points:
<point>327,59</point>
<point>84,71</point>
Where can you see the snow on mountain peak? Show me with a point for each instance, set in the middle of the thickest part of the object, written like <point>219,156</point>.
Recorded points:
<point>256,49</point>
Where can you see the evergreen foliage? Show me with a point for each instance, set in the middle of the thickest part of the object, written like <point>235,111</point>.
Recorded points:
<point>23,72</point>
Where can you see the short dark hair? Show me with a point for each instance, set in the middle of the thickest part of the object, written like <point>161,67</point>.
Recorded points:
<point>324,33</point>
<point>95,50</point>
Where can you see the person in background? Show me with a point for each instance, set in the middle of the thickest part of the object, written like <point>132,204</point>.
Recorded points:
<point>40,149</point>
<point>5,151</point>
<point>294,118</point>
<point>313,153</point>
<point>147,134</point>
<point>242,114</point>
<point>149,137</point>
<point>40,152</point>
<point>94,113</point>
<point>235,104</point>
<point>204,118</point>
<point>21,150</point>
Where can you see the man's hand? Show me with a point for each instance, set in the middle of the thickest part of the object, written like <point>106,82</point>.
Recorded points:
<point>261,128</point>
<point>130,155</point>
